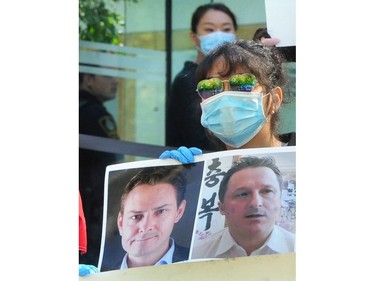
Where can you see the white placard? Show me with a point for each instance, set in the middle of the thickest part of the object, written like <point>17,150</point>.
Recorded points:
<point>281,21</point>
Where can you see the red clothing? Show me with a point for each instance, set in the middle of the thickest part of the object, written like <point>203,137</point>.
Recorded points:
<point>82,229</point>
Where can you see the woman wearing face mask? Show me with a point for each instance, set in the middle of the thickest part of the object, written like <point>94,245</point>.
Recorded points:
<point>240,85</point>
<point>211,25</point>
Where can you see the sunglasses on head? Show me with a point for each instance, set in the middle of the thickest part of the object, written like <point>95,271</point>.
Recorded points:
<point>240,82</point>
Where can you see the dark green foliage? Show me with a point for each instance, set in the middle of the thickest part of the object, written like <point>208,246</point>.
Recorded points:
<point>99,23</point>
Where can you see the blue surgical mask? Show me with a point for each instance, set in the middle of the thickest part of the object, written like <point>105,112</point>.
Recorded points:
<point>214,39</point>
<point>234,117</point>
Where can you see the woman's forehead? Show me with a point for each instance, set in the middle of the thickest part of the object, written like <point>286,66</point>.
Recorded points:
<point>220,68</point>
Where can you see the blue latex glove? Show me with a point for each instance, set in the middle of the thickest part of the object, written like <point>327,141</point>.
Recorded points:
<point>183,154</point>
<point>87,269</point>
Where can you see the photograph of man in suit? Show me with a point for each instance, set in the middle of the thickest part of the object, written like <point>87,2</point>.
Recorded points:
<point>151,204</point>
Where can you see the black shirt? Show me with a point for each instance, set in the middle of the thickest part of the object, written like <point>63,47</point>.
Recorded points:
<point>289,138</point>
<point>183,113</point>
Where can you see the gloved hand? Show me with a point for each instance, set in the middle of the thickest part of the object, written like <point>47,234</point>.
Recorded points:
<point>87,269</point>
<point>183,154</point>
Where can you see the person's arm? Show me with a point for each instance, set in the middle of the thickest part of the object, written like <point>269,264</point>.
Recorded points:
<point>84,269</point>
<point>269,42</point>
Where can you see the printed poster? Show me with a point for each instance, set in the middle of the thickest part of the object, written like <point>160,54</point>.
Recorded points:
<point>201,218</point>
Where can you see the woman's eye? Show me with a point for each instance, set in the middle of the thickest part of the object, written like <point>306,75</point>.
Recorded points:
<point>209,30</point>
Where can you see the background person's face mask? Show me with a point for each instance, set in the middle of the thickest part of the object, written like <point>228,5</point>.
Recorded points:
<point>234,117</point>
<point>214,39</point>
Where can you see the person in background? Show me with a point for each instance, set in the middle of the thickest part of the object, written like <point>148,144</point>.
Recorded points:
<point>211,25</point>
<point>250,200</point>
<point>289,52</point>
<point>151,204</point>
<point>84,269</point>
<point>95,120</point>
<point>241,97</point>
<point>82,237</point>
